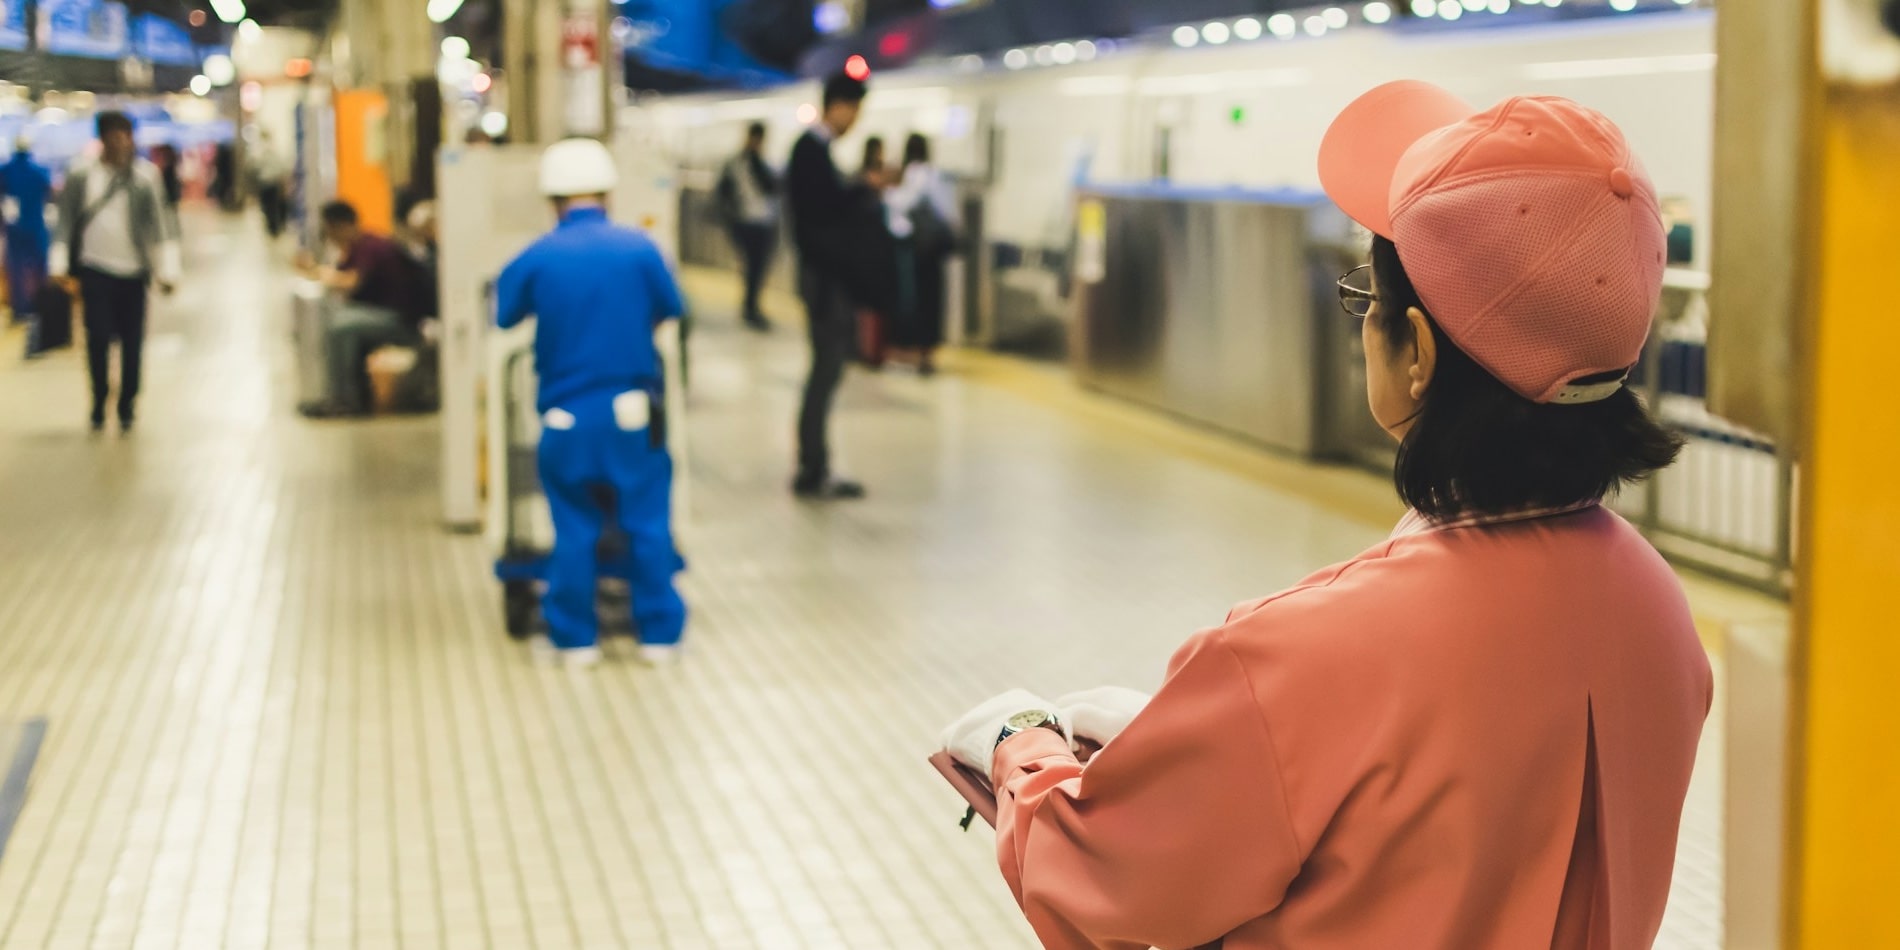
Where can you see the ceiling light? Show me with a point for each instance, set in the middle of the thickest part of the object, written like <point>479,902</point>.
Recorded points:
<point>230,11</point>
<point>1064,53</point>
<point>1045,55</point>
<point>1623,6</point>
<point>1283,25</point>
<point>1186,36</point>
<point>1378,11</point>
<point>1424,7</point>
<point>1216,33</point>
<point>1315,25</point>
<point>439,11</point>
<point>1015,59</point>
<point>1500,6</point>
<point>1247,28</point>
<point>1474,6</point>
<point>1336,18</point>
<point>454,48</point>
<point>200,86</point>
<point>1450,9</point>
<point>249,30</point>
<point>1085,51</point>
<point>220,70</point>
<point>495,124</point>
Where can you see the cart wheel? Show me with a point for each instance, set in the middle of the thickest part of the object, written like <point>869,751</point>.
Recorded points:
<point>519,603</point>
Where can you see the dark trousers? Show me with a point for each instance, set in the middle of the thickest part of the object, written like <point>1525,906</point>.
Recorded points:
<point>755,243</point>
<point>828,312</point>
<point>276,207</point>
<point>115,310</point>
<point>920,311</point>
<point>356,331</point>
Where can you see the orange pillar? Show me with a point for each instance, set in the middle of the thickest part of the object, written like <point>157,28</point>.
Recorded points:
<point>362,157</point>
<point>1842,876</point>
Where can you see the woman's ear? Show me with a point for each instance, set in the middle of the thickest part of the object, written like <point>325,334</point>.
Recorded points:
<point>1424,353</point>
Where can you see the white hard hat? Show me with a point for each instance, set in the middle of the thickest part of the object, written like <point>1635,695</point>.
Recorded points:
<point>577,167</point>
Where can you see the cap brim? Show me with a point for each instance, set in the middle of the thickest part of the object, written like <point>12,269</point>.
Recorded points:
<point>1361,150</point>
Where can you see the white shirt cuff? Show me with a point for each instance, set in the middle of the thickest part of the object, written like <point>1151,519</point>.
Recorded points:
<point>170,263</point>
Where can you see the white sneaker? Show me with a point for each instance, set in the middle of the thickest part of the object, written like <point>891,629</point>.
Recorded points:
<point>657,655</point>
<point>576,658</point>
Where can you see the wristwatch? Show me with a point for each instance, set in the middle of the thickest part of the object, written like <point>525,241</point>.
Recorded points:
<point>1025,721</point>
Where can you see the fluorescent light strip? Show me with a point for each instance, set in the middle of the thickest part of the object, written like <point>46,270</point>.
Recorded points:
<point>1633,66</point>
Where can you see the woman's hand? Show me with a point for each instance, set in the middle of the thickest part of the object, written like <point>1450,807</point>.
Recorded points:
<point>1100,714</point>
<point>971,740</point>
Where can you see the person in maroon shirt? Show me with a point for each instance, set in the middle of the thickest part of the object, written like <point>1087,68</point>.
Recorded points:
<point>381,287</point>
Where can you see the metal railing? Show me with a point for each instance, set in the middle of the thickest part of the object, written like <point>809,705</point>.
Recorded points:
<point>1726,506</point>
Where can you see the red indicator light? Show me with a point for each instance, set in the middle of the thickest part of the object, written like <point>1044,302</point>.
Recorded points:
<point>857,68</point>
<point>894,44</point>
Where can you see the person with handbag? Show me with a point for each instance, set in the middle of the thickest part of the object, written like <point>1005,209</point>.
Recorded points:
<point>1478,734</point>
<point>117,236</point>
<point>922,211</point>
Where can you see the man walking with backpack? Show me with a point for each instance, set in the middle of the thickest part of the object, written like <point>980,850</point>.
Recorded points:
<point>117,235</point>
<point>748,198</point>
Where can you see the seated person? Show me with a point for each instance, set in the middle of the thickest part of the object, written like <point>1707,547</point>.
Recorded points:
<point>379,282</point>
<point>418,237</point>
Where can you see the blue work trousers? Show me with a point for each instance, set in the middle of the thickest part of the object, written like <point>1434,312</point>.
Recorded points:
<point>26,270</point>
<point>576,463</point>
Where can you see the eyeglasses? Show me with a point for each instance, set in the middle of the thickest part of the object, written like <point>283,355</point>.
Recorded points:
<point>1355,291</point>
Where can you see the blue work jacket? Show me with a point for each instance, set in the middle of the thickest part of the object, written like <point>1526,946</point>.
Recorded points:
<point>597,291</point>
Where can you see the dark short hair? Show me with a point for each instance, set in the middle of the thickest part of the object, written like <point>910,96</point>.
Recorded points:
<point>916,149</point>
<point>339,214</point>
<point>1477,447</point>
<point>755,131</point>
<point>842,88</point>
<point>112,122</point>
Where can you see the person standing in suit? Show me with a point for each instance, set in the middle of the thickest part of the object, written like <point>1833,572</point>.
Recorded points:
<point>826,228</point>
<point>117,236</point>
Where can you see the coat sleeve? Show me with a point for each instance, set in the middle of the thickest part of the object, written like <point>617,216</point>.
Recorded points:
<point>71,203</point>
<point>1176,833</point>
<point>514,293</point>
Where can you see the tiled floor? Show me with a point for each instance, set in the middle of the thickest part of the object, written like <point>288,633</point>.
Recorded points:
<point>283,712</point>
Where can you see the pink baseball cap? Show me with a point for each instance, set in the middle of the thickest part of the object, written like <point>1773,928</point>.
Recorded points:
<point>1530,230</point>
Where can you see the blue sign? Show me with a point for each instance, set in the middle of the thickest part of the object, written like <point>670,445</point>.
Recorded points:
<point>91,28</point>
<point>162,41</point>
<point>13,24</point>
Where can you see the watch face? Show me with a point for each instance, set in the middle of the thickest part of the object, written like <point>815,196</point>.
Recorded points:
<point>1024,721</point>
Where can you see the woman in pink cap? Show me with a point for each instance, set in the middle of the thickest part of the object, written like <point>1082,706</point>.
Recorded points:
<point>1479,733</point>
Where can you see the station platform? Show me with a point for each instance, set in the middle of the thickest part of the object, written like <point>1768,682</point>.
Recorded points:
<point>280,710</point>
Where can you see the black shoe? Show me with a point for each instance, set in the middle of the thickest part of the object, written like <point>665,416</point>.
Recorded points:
<point>829,489</point>
<point>98,420</point>
<point>125,425</point>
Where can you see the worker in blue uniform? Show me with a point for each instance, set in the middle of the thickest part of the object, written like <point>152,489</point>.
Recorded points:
<point>605,305</point>
<point>24,186</point>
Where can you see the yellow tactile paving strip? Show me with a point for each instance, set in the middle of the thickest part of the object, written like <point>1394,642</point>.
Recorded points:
<point>284,714</point>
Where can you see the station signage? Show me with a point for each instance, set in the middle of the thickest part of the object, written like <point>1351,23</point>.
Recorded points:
<point>92,28</point>
<point>13,34</point>
<point>162,41</point>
